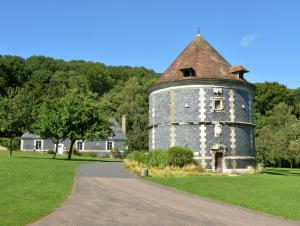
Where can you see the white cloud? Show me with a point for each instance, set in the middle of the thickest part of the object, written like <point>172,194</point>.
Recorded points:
<point>248,39</point>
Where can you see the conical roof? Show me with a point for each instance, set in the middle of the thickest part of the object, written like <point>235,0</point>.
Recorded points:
<point>205,62</point>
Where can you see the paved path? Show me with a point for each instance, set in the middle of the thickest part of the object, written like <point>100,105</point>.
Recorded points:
<point>105,194</point>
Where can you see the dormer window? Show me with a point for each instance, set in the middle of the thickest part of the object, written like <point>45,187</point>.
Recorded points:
<point>188,72</point>
<point>238,71</point>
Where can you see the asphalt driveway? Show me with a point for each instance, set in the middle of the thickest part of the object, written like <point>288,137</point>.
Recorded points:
<point>106,194</point>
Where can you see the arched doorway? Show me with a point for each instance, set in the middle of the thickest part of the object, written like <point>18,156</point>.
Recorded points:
<point>219,162</point>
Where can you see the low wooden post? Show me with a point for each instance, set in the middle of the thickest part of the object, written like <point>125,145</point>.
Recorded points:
<point>144,172</point>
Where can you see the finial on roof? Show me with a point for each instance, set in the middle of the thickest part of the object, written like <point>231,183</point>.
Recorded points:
<point>198,32</point>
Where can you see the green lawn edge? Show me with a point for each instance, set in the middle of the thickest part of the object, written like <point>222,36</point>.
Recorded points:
<point>34,184</point>
<point>275,191</point>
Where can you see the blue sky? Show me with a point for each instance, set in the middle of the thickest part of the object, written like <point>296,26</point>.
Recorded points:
<point>262,35</point>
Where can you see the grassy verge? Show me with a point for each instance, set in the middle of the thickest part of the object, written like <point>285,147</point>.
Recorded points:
<point>275,191</point>
<point>32,185</point>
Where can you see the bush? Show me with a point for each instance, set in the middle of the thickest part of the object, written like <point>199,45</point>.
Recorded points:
<point>5,142</point>
<point>175,156</point>
<point>76,152</point>
<point>88,154</point>
<point>179,156</point>
<point>141,157</point>
<point>115,153</point>
<point>51,152</point>
<point>157,158</point>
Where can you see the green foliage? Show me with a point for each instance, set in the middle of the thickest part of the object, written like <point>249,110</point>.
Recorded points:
<point>280,129</point>
<point>131,99</point>
<point>141,157</point>
<point>157,158</point>
<point>293,151</point>
<point>120,90</point>
<point>296,93</point>
<point>269,94</point>
<point>179,156</point>
<point>115,153</point>
<point>175,156</point>
<point>88,154</point>
<point>51,152</point>
<point>12,72</point>
<point>84,118</point>
<point>5,142</point>
<point>76,152</point>
<point>51,122</point>
<point>17,114</point>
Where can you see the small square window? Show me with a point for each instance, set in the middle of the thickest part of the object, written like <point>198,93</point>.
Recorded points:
<point>217,104</point>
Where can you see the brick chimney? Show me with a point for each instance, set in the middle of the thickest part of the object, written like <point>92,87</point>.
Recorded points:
<point>124,123</point>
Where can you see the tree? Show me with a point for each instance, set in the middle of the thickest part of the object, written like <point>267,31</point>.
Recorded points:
<point>51,123</point>
<point>16,114</point>
<point>12,72</point>
<point>281,127</point>
<point>84,117</point>
<point>293,151</point>
<point>296,93</point>
<point>269,94</point>
<point>131,99</point>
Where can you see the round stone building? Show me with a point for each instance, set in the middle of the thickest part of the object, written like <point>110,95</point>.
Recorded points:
<point>204,103</point>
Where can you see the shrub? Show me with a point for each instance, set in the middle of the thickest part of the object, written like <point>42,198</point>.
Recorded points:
<point>179,156</point>
<point>76,152</point>
<point>175,156</point>
<point>157,158</point>
<point>5,142</point>
<point>88,154</point>
<point>115,153</point>
<point>50,152</point>
<point>141,157</point>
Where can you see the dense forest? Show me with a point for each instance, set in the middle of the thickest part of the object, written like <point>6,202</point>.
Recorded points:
<point>41,92</point>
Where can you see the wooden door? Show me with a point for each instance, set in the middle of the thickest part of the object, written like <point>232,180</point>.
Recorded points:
<point>219,162</point>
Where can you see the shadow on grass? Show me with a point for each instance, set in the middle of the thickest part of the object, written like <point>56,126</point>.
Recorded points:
<point>281,172</point>
<point>274,173</point>
<point>65,159</point>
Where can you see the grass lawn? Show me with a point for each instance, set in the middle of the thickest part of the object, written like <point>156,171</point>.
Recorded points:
<point>32,185</point>
<point>275,191</point>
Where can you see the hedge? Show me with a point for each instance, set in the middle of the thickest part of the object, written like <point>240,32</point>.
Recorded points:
<point>174,156</point>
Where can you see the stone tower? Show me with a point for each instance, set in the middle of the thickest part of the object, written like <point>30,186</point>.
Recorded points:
<point>204,103</point>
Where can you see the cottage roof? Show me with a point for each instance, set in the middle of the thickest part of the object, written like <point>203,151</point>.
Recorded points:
<point>117,133</point>
<point>29,136</point>
<point>200,61</point>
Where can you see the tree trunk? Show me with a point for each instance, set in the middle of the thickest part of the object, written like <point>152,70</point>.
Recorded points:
<point>11,147</point>
<point>291,164</point>
<point>71,149</point>
<point>56,149</point>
